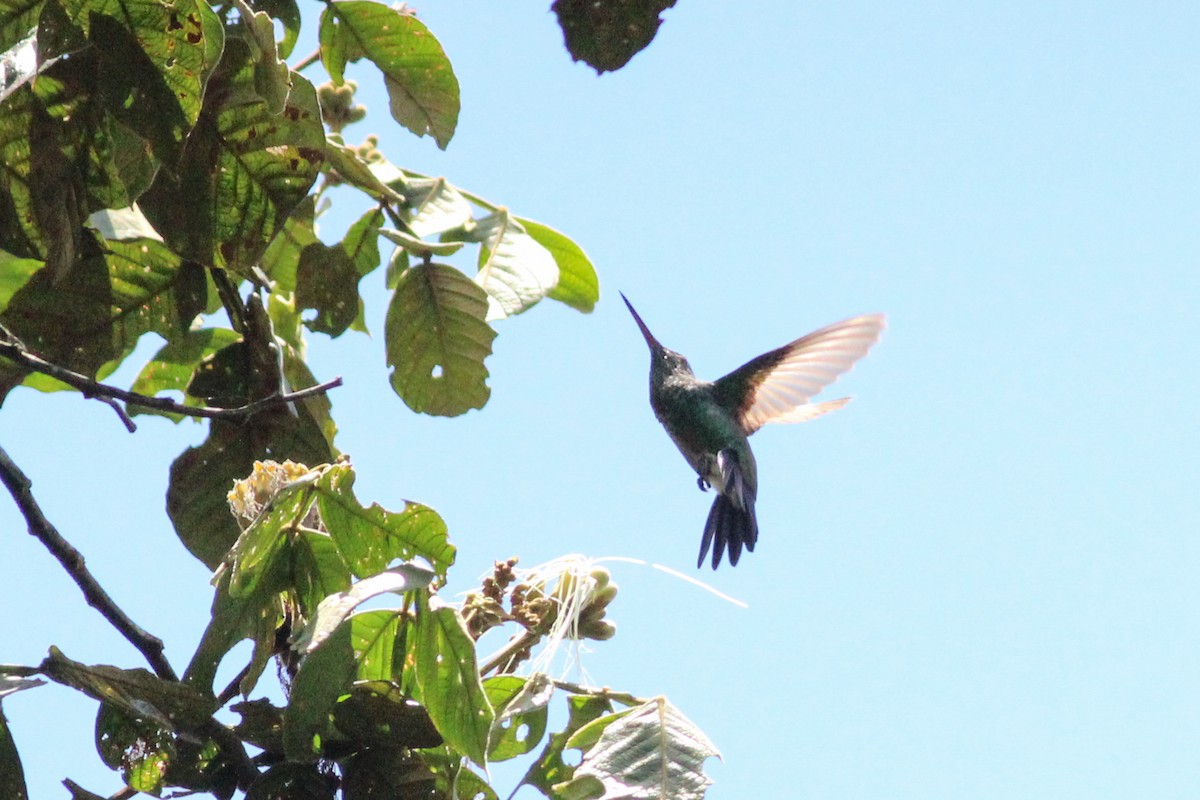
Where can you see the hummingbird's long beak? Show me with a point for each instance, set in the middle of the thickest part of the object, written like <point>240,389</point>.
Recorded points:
<point>650,340</point>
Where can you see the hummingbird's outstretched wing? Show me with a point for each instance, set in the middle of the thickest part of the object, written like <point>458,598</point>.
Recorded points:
<point>776,386</point>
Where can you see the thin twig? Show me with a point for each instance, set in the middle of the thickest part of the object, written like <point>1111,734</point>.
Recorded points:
<point>624,698</point>
<point>108,394</point>
<point>307,61</point>
<point>510,651</point>
<point>20,487</point>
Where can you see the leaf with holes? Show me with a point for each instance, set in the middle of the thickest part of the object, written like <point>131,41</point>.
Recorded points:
<point>437,341</point>
<point>650,751</point>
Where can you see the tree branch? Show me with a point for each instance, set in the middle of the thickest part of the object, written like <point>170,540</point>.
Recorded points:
<point>110,394</point>
<point>19,486</point>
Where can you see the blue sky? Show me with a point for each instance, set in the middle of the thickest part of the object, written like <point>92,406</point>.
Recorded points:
<point>977,580</point>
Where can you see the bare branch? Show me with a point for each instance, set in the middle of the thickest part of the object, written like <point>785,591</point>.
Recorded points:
<point>109,394</point>
<point>20,487</point>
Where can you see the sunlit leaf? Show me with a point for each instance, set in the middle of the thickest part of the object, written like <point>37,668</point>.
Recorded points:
<point>243,171</point>
<point>370,538</point>
<point>202,476</point>
<point>651,751</point>
<point>435,206</point>
<point>141,749</point>
<point>378,639</point>
<point>578,286</point>
<point>550,769</point>
<point>335,608</point>
<point>17,18</point>
<point>448,678</point>
<point>421,84</point>
<point>437,341</point>
<point>514,269</point>
<point>521,714</point>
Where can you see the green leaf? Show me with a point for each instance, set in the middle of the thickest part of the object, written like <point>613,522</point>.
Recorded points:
<point>369,539</point>
<point>234,618</point>
<point>171,368</point>
<point>327,277</point>
<point>362,241</point>
<point>437,341</point>
<point>315,411</point>
<point>550,769</point>
<point>252,557</point>
<point>288,13</point>
<point>521,714</point>
<point>514,269</point>
<point>578,286</point>
<point>12,775</point>
<point>379,639</point>
<point>282,257</point>
<point>607,35</point>
<point>325,674</point>
<point>318,570</point>
<point>181,39</point>
<point>267,164</point>
<point>271,74</point>
<point>650,751</point>
<point>422,88</point>
<point>335,608</point>
<point>448,680</point>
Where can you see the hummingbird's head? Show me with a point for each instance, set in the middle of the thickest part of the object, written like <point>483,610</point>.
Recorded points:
<point>662,360</point>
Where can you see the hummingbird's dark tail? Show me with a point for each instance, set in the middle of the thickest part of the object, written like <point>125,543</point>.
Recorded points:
<point>729,526</point>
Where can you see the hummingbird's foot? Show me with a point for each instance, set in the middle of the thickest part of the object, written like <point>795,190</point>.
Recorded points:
<point>703,484</point>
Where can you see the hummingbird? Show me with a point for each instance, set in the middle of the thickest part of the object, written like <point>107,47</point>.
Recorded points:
<point>711,422</point>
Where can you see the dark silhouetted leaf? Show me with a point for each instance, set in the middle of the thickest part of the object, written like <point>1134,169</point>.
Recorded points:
<point>12,775</point>
<point>171,368</point>
<point>606,35</point>
<point>325,675</point>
